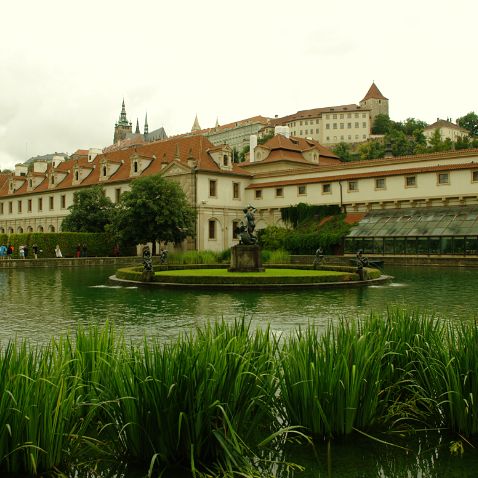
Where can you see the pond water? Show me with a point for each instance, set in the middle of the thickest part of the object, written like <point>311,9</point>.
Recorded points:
<point>37,304</point>
<point>40,303</point>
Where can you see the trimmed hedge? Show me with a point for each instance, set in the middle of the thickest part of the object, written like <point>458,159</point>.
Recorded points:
<point>135,274</point>
<point>98,244</point>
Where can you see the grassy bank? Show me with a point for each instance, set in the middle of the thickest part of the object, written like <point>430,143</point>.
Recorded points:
<point>213,401</point>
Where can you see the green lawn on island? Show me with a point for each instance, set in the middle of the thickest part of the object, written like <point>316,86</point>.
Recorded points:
<point>266,273</point>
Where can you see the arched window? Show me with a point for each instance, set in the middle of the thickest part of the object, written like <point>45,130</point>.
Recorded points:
<point>20,230</point>
<point>29,229</point>
<point>51,228</point>
<point>10,230</point>
<point>2,231</point>
<point>40,228</point>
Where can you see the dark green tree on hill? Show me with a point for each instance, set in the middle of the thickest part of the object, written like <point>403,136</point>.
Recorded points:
<point>155,209</point>
<point>469,122</point>
<point>91,211</point>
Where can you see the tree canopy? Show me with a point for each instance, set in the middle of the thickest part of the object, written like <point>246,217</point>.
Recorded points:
<point>91,211</point>
<point>155,209</point>
<point>469,122</point>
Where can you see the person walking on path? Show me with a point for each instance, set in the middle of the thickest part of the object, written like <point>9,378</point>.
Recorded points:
<point>35,251</point>
<point>3,251</point>
<point>78,250</point>
<point>58,251</point>
<point>10,249</point>
<point>84,250</point>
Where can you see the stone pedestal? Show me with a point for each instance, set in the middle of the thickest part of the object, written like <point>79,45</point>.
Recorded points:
<point>246,259</point>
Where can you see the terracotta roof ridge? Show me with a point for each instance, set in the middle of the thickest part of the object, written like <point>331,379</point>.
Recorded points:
<point>374,93</point>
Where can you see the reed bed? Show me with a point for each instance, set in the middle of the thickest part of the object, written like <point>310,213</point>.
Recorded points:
<point>215,399</point>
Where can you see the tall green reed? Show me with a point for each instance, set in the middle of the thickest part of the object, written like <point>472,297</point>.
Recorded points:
<point>200,399</point>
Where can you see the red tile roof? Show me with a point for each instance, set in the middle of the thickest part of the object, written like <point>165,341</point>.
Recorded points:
<point>316,112</point>
<point>374,93</point>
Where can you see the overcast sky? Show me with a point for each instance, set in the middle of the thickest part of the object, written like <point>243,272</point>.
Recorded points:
<point>66,66</point>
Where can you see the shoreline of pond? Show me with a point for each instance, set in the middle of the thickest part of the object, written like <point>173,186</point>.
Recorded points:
<point>403,260</point>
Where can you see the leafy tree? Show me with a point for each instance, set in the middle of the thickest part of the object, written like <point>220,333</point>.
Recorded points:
<point>371,150</point>
<point>437,144</point>
<point>469,122</point>
<point>155,209</point>
<point>344,151</point>
<point>91,211</point>
<point>382,124</point>
<point>413,127</point>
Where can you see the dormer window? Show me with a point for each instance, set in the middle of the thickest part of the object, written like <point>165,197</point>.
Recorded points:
<point>225,160</point>
<point>52,179</point>
<point>30,183</point>
<point>135,166</point>
<point>104,170</point>
<point>76,175</point>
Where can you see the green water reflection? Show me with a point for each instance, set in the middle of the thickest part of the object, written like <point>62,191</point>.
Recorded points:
<point>40,303</point>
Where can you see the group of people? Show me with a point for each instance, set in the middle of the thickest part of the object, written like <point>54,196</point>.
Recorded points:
<point>7,252</point>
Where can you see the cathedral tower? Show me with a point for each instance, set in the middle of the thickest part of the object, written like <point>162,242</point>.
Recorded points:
<point>122,127</point>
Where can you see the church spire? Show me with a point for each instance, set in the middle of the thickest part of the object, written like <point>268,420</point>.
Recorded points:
<point>137,127</point>
<point>196,126</point>
<point>146,128</point>
<point>123,121</point>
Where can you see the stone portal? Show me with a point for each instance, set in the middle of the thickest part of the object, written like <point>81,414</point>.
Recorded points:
<point>246,258</point>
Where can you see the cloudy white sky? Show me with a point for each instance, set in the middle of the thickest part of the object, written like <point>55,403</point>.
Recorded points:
<point>66,66</point>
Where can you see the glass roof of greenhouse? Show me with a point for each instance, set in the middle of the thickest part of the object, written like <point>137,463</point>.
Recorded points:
<point>437,221</point>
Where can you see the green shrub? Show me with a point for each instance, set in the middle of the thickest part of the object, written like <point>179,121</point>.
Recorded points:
<point>98,244</point>
<point>279,256</point>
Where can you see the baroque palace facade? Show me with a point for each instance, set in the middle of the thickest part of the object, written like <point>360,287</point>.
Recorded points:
<point>284,171</point>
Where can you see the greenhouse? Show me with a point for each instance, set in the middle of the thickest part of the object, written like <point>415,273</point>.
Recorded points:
<point>439,230</point>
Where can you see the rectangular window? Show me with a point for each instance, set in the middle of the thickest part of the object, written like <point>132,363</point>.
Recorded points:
<point>10,207</point>
<point>117,195</point>
<point>349,125</point>
<point>212,229</point>
<point>40,204</point>
<point>380,183</point>
<point>443,178</point>
<point>341,126</point>
<point>1,207</point>
<point>364,124</point>
<point>279,192</point>
<point>474,176</point>
<point>212,188</point>
<point>356,124</point>
<point>51,199</point>
<point>302,190</point>
<point>63,201</point>
<point>353,186</point>
<point>258,193</point>
<point>316,130</point>
<point>327,126</point>
<point>19,206</point>
<point>334,126</point>
<point>29,205</point>
<point>410,181</point>
<point>235,191</point>
<point>326,188</point>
